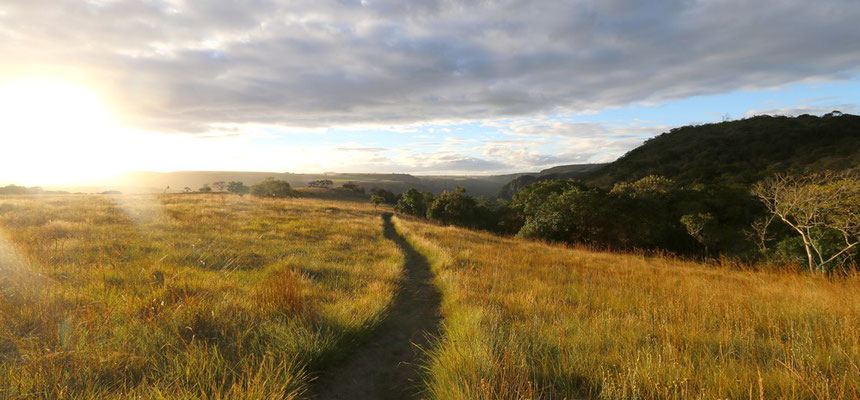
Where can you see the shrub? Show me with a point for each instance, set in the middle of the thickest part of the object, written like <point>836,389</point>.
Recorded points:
<point>237,187</point>
<point>353,187</point>
<point>321,183</point>
<point>271,187</point>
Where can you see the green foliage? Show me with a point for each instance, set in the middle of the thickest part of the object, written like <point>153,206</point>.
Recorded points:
<point>205,189</point>
<point>376,200</point>
<point>698,226</point>
<point>741,152</point>
<point>646,213</point>
<point>387,196</point>
<point>273,188</point>
<point>822,208</point>
<point>651,186</point>
<point>574,215</point>
<point>415,203</point>
<point>352,186</point>
<point>237,188</point>
<point>458,208</point>
<point>527,199</point>
<point>453,208</point>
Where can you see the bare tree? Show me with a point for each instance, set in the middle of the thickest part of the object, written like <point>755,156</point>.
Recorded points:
<point>813,205</point>
<point>758,232</point>
<point>220,185</point>
<point>696,225</point>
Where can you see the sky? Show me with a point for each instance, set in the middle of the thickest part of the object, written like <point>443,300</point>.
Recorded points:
<point>90,88</point>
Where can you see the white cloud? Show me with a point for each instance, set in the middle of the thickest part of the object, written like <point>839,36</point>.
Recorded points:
<point>184,65</point>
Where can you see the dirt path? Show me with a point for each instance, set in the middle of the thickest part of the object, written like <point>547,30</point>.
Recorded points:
<point>385,367</point>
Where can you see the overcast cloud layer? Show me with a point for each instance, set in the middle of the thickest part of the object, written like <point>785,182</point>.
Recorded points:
<point>182,66</point>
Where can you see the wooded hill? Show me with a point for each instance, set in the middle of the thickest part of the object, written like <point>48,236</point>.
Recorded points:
<point>730,153</point>
<point>742,151</point>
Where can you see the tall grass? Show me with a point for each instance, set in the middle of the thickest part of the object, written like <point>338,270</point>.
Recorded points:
<point>531,320</point>
<point>184,296</point>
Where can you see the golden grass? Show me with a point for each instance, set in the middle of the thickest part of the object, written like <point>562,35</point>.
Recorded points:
<point>530,320</point>
<point>184,296</point>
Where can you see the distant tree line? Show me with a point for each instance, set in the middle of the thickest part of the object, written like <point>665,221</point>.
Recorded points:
<point>15,189</point>
<point>810,220</point>
<point>272,187</point>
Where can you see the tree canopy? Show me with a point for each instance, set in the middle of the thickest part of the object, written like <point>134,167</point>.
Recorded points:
<point>273,188</point>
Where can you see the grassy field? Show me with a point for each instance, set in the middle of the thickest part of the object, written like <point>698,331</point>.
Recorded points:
<point>184,296</point>
<point>529,320</point>
<point>217,296</point>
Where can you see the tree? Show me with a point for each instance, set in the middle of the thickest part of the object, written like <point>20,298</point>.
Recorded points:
<point>205,189</point>
<point>697,226</point>
<point>575,215</point>
<point>387,195</point>
<point>321,183</point>
<point>272,188</point>
<point>376,200</point>
<point>649,186</point>
<point>817,206</point>
<point>758,232</point>
<point>530,197</point>
<point>186,189</point>
<point>238,188</point>
<point>455,208</point>
<point>219,185</point>
<point>413,202</point>
<point>353,187</point>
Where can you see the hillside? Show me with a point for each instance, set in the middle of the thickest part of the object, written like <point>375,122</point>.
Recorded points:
<point>741,152</point>
<point>732,152</point>
<point>573,171</point>
<point>530,320</point>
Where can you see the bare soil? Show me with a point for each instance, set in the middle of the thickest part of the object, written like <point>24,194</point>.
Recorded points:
<point>387,365</point>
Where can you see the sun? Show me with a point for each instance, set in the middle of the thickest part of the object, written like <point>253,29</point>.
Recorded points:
<point>54,132</point>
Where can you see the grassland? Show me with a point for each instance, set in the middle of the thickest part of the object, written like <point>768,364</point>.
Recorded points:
<point>530,320</point>
<point>217,296</point>
<point>184,296</point>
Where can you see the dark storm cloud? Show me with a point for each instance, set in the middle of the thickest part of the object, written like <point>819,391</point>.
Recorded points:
<point>182,65</point>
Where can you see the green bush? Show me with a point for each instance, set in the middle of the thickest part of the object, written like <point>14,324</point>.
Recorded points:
<point>271,187</point>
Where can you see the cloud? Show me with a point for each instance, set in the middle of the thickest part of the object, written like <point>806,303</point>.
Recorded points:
<point>804,109</point>
<point>456,164</point>
<point>183,65</point>
<point>362,149</point>
<point>554,127</point>
<point>538,153</point>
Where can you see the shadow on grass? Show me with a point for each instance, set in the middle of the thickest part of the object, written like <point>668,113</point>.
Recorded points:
<point>386,366</point>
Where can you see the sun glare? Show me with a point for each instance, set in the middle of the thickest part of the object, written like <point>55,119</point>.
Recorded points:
<point>55,132</point>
